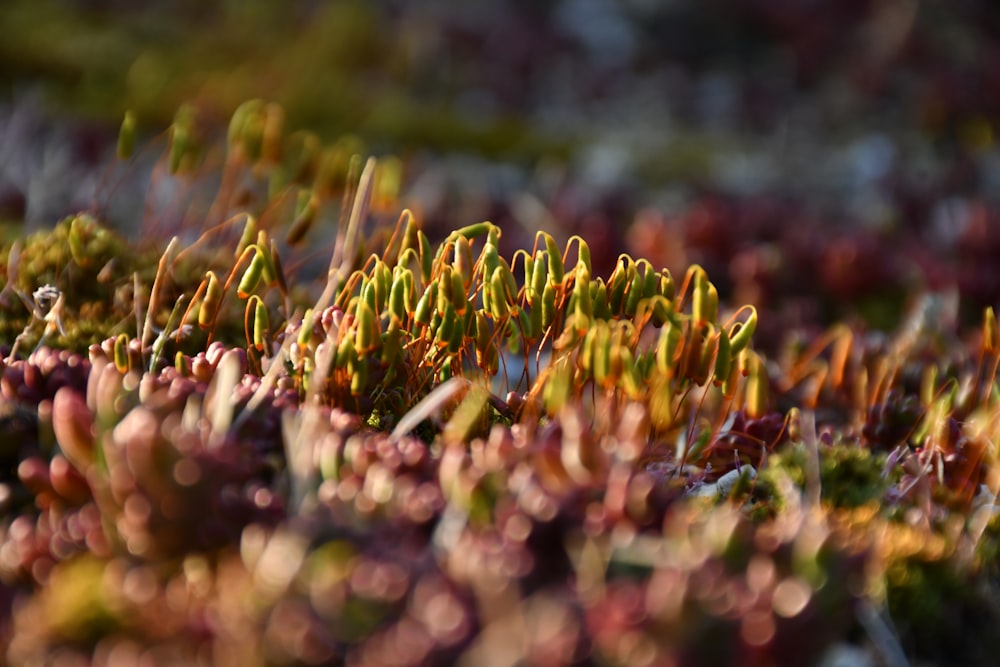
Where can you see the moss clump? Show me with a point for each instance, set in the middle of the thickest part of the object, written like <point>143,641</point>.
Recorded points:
<point>90,265</point>
<point>849,476</point>
<point>942,611</point>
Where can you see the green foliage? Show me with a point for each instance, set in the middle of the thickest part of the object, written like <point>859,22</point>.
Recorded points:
<point>243,429</point>
<point>92,268</point>
<point>849,476</point>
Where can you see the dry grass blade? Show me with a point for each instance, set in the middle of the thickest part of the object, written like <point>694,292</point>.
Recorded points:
<point>430,405</point>
<point>220,391</point>
<point>814,489</point>
<point>347,237</point>
<point>154,295</point>
<point>301,431</point>
<point>165,334</point>
<point>881,635</point>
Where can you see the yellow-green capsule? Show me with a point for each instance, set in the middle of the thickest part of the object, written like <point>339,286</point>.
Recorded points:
<point>744,360</point>
<point>268,272</point>
<point>548,306</point>
<point>583,305</point>
<point>582,251</point>
<point>666,347</point>
<point>527,268</point>
<point>182,363</point>
<point>426,306</point>
<point>378,287</point>
<point>121,353</point>
<point>602,355</point>
<point>457,338</point>
<point>306,208</point>
<point>238,121</point>
<point>489,261</point>
<point>435,324</point>
<point>539,277</point>
<point>410,291</point>
<point>346,354</point>
<point>704,302</point>
<point>741,332</point>
<point>247,237</point>
<point>126,136</point>
<point>463,260</point>
<point>449,322</point>
<point>181,139</point>
<point>249,313</point>
<point>252,136</point>
<point>472,231</point>
<point>694,344</point>
<point>618,283</point>
<point>251,275</point>
<point>392,344</point>
<point>210,302</point>
<point>713,302</point>
<point>756,400</point>
<point>382,275</point>
<point>633,295</point>
<point>667,288</point>
<point>483,332</point>
<point>704,297</point>
<point>306,329</point>
<point>409,259</point>
<point>556,269</point>
<point>629,378</point>
<point>444,288</point>
<point>426,257</point>
<point>486,296</point>
<point>650,279</point>
<point>489,360</point>
<point>368,294</point>
<point>459,297</point>
<point>368,336</point>
<point>509,281</point>
<point>411,240</point>
<point>723,357</point>
<point>534,315</point>
<point>599,297</point>
<point>526,325</point>
<point>586,358</point>
<point>261,325</point>
<point>661,310</point>
<point>397,301</point>
<point>499,307</point>
<point>359,379</point>
<point>557,389</point>
<point>708,356</point>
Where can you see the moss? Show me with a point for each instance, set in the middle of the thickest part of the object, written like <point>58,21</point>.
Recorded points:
<point>943,612</point>
<point>91,266</point>
<point>850,476</point>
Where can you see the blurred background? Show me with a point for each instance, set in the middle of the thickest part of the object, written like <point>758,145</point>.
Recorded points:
<point>824,159</point>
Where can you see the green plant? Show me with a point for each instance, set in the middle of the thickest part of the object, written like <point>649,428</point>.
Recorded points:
<point>580,467</point>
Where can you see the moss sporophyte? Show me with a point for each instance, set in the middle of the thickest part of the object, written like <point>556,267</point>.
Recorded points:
<point>309,418</point>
